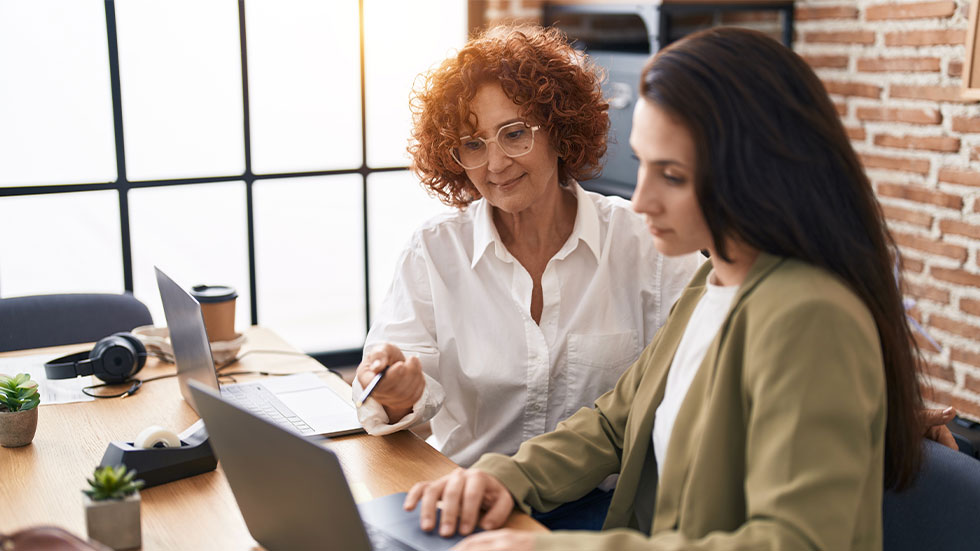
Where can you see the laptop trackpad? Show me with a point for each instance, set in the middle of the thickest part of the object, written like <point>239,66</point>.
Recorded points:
<point>386,514</point>
<point>314,402</point>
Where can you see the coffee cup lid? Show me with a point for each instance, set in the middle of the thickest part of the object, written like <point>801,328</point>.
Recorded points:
<point>213,293</point>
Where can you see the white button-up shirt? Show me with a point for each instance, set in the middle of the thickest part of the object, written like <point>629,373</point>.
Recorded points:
<point>495,378</point>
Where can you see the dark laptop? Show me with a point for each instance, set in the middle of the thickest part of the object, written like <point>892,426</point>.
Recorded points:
<point>292,492</point>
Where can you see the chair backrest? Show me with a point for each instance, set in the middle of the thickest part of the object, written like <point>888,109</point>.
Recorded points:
<point>51,320</point>
<point>942,509</point>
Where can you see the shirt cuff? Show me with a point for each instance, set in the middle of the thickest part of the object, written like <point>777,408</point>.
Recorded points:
<point>375,420</point>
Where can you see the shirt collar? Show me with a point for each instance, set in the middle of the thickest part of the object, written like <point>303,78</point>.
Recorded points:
<point>586,229</point>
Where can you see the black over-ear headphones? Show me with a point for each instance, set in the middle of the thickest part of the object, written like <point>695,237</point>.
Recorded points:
<point>114,360</point>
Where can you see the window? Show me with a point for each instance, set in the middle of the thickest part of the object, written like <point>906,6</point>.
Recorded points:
<point>258,144</point>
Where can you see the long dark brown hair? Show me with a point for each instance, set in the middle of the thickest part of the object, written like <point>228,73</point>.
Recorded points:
<point>770,147</point>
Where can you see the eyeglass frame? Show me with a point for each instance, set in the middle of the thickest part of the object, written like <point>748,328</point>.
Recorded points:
<point>486,142</point>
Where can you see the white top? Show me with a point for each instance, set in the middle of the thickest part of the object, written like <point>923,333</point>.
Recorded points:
<point>462,304</point>
<point>701,329</point>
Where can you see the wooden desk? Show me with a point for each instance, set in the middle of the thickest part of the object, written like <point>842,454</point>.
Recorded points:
<point>41,483</point>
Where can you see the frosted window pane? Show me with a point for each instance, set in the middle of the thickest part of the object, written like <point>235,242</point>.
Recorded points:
<point>60,243</point>
<point>180,73</point>
<point>401,40</point>
<point>55,102</point>
<point>397,207</point>
<point>304,85</point>
<point>196,234</point>
<point>309,260</point>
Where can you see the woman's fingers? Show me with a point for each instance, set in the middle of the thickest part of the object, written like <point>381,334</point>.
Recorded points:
<point>473,495</point>
<point>452,495</point>
<point>499,510</point>
<point>933,417</point>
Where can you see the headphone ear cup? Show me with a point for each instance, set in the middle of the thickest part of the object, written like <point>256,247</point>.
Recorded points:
<point>138,347</point>
<point>117,357</point>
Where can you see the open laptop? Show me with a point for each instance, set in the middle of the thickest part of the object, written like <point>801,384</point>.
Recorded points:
<point>302,402</point>
<point>292,492</point>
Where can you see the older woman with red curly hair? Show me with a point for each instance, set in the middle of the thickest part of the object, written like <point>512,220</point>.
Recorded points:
<point>529,301</point>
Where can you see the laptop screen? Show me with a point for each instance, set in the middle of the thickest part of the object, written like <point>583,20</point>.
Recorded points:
<point>188,336</point>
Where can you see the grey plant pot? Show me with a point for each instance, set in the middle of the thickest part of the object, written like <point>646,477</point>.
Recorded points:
<point>114,522</point>
<point>17,428</point>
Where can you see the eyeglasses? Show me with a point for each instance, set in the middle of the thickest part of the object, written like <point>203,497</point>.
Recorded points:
<point>514,140</point>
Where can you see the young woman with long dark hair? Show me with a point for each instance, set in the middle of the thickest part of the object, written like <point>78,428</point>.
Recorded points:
<point>780,398</point>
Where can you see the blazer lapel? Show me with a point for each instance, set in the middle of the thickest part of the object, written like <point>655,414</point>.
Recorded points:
<point>685,436</point>
<point>636,489</point>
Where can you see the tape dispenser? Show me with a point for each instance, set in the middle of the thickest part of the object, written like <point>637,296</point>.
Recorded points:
<point>159,455</point>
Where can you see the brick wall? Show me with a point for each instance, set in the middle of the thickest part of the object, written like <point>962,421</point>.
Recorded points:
<point>894,71</point>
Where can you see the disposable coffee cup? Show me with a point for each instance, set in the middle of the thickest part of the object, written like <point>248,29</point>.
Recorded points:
<point>218,308</point>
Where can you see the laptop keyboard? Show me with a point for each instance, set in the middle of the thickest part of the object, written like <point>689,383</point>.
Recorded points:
<point>263,403</point>
<point>381,541</point>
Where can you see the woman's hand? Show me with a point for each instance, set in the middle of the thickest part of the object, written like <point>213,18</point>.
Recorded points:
<point>402,384</point>
<point>498,540</point>
<point>464,494</point>
<point>934,421</point>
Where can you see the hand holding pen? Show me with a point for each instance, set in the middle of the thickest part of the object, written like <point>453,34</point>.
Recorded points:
<point>391,379</point>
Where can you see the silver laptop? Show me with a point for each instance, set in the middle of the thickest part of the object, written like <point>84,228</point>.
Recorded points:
<point>292,492</point>
<point>302,402</point>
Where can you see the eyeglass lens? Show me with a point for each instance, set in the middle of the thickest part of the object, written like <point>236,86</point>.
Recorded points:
<point>514,140</point>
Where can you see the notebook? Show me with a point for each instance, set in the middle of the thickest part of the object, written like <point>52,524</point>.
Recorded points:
<point>302,403</point>
<point>292,492</point>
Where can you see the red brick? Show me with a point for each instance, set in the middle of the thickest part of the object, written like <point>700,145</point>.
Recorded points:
<point>852,89</point>
<point>918,166</point>
<point>959,228</point>
<point>962,177</point>
<point>939,371</point>
<point>892,114</point>
<point>936,395</point>
<point>909,11</point>
<point>955,68</point>
<point>966,124</point>
<point>957,276</point>
<point>841,108</point>
<point>975,154</point>
<point>964,356</point>
<point>920,195</point>
<point>898,64</point>
<point>912,266</point>
<point>809,13</point>
<point>938,37</point>
<point>931,93</point>
<point>908,216</point>
<point>827,61</point>
<point>970,306</point>
<point>972,383</point>
<point>856,133</point>
<point>930,143</point>
<point>955,327</point>
<point>840,37</point>
<point>930,246</point>
<point>927,292</point>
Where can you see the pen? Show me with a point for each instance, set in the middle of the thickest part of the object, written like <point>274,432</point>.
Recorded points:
<point>374,382</point>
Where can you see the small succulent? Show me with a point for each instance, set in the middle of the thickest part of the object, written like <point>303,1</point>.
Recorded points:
<point>18,393</point>
<point>111,482</point>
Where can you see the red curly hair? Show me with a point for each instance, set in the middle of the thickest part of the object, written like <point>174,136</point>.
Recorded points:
<point>553,85</point>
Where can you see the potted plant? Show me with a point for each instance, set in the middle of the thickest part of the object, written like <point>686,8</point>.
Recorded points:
<point>18,410</point>
<point>112,507</point>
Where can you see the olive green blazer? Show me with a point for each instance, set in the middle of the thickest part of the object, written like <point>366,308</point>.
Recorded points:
<point>779,443</point>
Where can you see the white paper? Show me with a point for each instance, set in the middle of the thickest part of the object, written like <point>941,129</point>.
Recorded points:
<point>61,391</point>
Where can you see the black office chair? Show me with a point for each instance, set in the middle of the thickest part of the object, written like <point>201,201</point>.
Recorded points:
<point>51,320</point>
<point>942,509</point>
